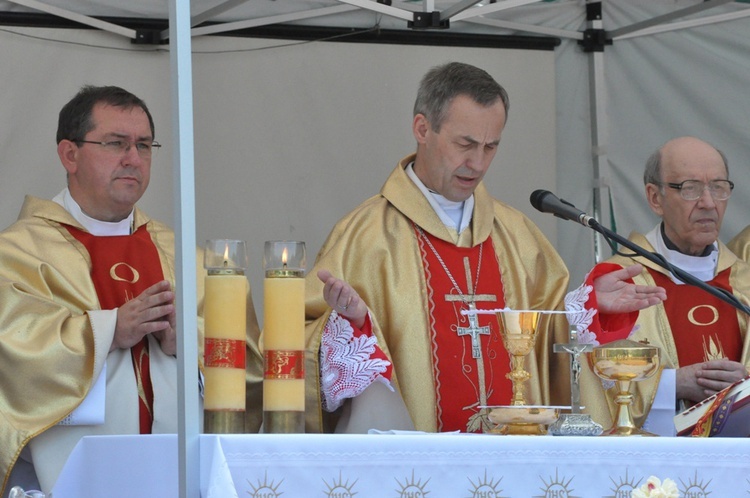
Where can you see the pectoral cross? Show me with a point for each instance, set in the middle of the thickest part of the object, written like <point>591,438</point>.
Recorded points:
<point>474,330</point>
<point>479,419</point>
<point>574,349</point>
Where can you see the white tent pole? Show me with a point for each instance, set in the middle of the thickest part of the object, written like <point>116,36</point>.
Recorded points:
<point>599,135</point>
<point>185,252</point>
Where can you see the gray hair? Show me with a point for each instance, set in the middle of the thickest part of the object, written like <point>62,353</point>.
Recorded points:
<point>443,83</point>
<point>652,173</point>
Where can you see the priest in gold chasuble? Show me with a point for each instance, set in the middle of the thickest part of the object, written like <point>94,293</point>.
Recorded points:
<point>382,249</point>
<point>387,291</point>
<point>87,314</point>
<point>704,338</point>
<point>432,244</point>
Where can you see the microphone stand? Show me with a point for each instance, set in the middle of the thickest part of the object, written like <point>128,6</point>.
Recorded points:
<point>674,270</point>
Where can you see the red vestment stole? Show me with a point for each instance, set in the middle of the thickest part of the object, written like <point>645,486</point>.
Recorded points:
<point>703,327</point>
<point>123,266</point>
<point>461,380</point>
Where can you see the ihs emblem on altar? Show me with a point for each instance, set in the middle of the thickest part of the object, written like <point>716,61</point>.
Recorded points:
<point>340,489</point>
<point>412,488</point>
<point>624,488</point>
<point>695,488</point>
<point>265,488</point>
<point>557,487</point>
<point>485,488</point>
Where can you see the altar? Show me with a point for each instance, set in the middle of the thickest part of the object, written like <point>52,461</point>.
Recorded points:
<point>407,465</point>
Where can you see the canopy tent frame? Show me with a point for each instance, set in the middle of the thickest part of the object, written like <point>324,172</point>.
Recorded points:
<point>183,26</point>
<point>462,11</point>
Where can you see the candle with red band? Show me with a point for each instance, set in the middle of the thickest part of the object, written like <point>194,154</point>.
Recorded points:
<point>225,311</point>
<point>284,337</point>
<point>286,365</point>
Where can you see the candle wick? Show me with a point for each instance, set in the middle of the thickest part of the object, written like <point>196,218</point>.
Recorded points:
<point>284,266</point>
<point>226,263</point>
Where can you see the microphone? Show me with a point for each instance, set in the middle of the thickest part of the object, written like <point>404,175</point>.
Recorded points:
<point>547,202</point>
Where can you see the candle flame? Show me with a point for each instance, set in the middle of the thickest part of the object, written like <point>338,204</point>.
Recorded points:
<point>226,255</point>
<point>284,256</point>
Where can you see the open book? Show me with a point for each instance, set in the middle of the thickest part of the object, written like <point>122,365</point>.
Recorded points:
<point>725,414</point>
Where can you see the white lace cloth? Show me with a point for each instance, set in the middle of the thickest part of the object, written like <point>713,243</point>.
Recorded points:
<point>346,364</point>
<point>347,367</point>
<point>580,317</point>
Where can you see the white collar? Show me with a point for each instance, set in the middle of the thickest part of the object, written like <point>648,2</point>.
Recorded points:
<point>701,267</point>
<point>455,215</point>
<point>94,226</point>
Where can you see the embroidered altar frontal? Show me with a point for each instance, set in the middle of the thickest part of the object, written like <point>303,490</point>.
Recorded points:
<point>401,466</point>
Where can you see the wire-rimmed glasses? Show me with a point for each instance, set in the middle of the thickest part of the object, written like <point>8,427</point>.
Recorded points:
<point>121,147</point>
<point>692,190</point>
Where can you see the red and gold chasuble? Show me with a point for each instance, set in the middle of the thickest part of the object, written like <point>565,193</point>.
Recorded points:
<point>122,267</point>
<point>468,357</point>
<point>703,327</point>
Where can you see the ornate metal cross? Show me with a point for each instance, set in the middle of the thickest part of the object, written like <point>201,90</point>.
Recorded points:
<point>474,330</point>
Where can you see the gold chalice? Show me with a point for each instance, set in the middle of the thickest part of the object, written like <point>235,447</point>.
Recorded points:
<point>518,330</point>
<point>625,361</point>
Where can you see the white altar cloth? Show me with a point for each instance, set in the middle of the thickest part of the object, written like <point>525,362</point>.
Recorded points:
<point>407,466</point>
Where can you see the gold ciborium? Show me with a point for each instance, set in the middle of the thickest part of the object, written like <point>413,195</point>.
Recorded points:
<point>625,361</point>
<point>518,330</point>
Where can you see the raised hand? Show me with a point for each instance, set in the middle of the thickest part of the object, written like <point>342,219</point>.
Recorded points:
<point>343,298</point>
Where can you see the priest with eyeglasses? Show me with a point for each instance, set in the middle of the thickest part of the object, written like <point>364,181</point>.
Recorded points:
<point>701,336</point>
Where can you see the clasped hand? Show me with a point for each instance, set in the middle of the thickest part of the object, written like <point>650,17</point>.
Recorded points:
<point>151,312</point>
<point>698,381</point>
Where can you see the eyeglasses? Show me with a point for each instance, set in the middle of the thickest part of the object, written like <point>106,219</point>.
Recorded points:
<point>120,147</point>
<point>692,190</point>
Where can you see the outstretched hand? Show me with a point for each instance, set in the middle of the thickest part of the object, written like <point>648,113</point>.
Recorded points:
<point>343,298</point>
<point>614,294</point>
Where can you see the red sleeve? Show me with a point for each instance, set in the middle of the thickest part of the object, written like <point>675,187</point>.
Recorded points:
<point>608,327</point>
<point>378,353</point>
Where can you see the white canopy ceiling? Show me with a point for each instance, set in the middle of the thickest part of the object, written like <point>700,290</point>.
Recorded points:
<point>466,16</point>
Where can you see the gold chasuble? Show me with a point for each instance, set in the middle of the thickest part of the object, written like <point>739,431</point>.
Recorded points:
<point>740,244</point>
<point>122,267</point>
<point>691,326</point>
<point>56,327</point>
<point>415,306</point>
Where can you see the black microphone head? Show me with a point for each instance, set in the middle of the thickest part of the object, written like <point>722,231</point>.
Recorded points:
<point>537,197</point>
